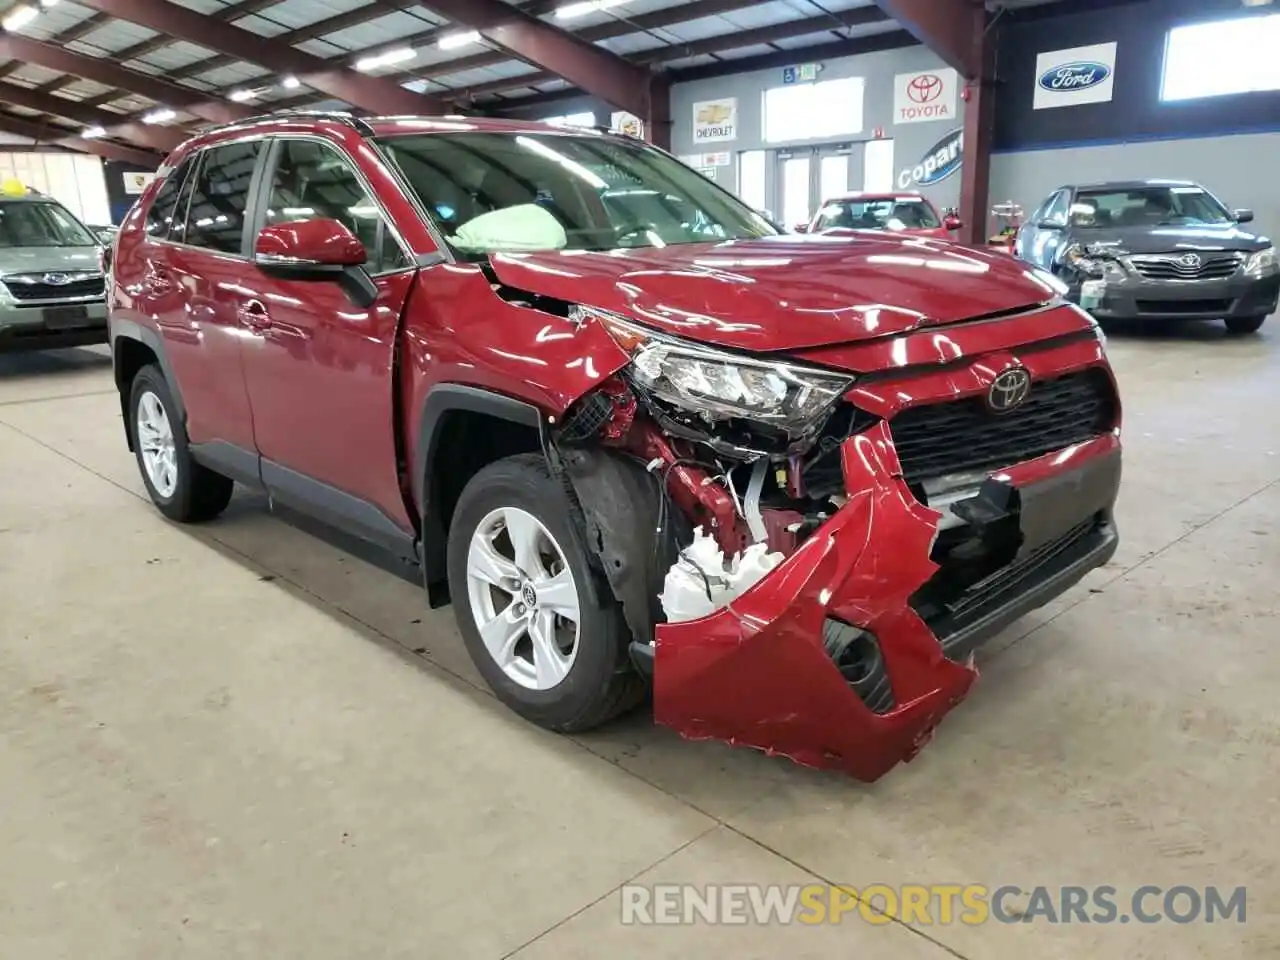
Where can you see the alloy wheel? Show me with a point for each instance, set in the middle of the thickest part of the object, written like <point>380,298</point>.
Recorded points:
<point>155,441</point>
<point>523,598</point>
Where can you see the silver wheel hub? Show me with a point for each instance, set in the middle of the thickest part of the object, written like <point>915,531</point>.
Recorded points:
<point>523,598</point>
<point>156,443</point>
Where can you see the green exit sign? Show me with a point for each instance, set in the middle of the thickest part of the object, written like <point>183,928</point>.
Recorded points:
<point>801,73</point>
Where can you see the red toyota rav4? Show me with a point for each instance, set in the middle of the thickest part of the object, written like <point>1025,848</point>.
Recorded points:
<point>636,435</point>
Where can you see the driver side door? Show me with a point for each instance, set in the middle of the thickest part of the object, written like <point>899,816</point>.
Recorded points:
<point>1046,232</point>
<point>319,366</point>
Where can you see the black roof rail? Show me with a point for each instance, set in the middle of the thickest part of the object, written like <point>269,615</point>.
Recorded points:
<point>359,124</point>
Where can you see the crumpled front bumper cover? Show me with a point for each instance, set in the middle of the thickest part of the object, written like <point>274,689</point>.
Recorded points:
<point>756,674</point>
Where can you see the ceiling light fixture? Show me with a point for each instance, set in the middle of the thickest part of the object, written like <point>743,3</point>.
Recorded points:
<point>455,40</point>
<point>571,10</point>
<point>90,132</point>
<point>398,55</point>
<point>240,96</point>
<point>291,83</point>
<point>163,115</point>
<point>19,17</point>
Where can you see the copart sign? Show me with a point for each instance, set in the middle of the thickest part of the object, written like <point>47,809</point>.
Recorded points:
<point>939,162</point>
<point>924,96</point>
<point>1068,78</point>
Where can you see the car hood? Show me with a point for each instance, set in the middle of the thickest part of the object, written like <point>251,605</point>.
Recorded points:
<point>786,292</point>
<point>48,259</point>
<point>1170,239</point>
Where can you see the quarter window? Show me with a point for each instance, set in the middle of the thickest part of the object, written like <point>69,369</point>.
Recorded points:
<point>1057,212</point>
<point>220,195</point>
<point>160,216</point>
<point>314,181</point>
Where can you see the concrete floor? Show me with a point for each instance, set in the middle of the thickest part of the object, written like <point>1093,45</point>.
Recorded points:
<point>240,741</point>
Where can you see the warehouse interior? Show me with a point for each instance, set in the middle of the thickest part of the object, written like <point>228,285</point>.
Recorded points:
<point>255,736</point>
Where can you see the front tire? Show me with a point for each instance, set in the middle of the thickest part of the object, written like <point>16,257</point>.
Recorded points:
<point>1241,325</point>
<point>541,628</point>
<point>182,489</point>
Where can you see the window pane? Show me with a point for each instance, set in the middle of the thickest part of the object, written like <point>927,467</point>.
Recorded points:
<point>835,175</point>
<point>807,111</point>
<point>160,216</point>
<point>312,181</point>
<point>215,218</point>
<point>751,167</point>
<point>878,169</point>
<point>1223,57</point>
<point>795,191</point>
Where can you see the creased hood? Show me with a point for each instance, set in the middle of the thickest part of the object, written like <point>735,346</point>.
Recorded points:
<point>784,293</point>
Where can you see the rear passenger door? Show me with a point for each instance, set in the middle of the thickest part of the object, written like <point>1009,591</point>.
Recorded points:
<point>320,368</point>
<point>195,280</point>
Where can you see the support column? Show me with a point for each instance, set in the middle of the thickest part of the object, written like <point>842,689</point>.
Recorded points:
<point>975,172</point>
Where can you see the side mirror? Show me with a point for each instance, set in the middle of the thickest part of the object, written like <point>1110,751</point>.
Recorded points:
<point>322,245</point>
<point>317,249</point>
<point>952,222</point>
<point>1243,216</point>
<point>1050,225</point>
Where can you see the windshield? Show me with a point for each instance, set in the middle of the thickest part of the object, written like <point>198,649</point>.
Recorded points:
<point>1147,207</point>
<point>34,224</point>
<point>888,213</point>
<point>553,191</point>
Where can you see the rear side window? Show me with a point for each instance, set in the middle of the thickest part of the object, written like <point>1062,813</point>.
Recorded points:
<point>313,180</point>
<point>220,196</point>
<point>160,216</point>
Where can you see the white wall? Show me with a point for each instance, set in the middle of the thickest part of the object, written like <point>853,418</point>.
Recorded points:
<point>74,180</point>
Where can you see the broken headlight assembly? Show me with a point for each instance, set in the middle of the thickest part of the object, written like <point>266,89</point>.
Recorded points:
<point>1089,262</point>
<point>716,385</point>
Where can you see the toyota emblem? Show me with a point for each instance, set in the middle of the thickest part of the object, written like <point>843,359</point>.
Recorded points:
<point>1191,261</point>
<point>925,88</point>
<point>1009,390</point>
<point>57,279</point>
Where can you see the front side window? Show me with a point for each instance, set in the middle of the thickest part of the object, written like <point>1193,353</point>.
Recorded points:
<point>890,213</point>
<point>1153,206</point>
<point>220,196</point>
<point>493,191</point>
<point>313,180</point>
<point>26,223</point>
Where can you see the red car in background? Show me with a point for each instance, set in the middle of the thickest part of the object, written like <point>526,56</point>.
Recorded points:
<point>906,213</point>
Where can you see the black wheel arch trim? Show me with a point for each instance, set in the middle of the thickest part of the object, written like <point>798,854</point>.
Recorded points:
<point>441,401</point>
<point>128,330</point>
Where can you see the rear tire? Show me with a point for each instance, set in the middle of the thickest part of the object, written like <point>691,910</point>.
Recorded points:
<point>518,566</point>
<point>182,489</point>
<point>1241,325</point>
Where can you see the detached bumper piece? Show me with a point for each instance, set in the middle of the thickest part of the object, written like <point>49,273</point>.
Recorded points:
<point>850,653</point>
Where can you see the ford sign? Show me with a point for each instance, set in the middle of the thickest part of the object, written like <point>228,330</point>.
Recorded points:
<point>939,162</point>
<point>1080,75</point>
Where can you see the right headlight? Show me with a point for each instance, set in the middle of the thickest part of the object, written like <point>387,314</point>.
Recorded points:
<point>1101,268</point>
<point>1260,263</point>
<point>717,385</point>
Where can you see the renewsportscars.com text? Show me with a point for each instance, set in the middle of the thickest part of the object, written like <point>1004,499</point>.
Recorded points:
<point>929,904</point>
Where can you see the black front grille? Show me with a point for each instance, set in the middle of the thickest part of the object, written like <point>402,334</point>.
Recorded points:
<point>39,290</point>
<point>1184,306</point>
<point>1165,267</point>
<point>963,435</point>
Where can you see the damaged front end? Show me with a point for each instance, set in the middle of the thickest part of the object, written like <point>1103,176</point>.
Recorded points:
<point>790,584</point>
